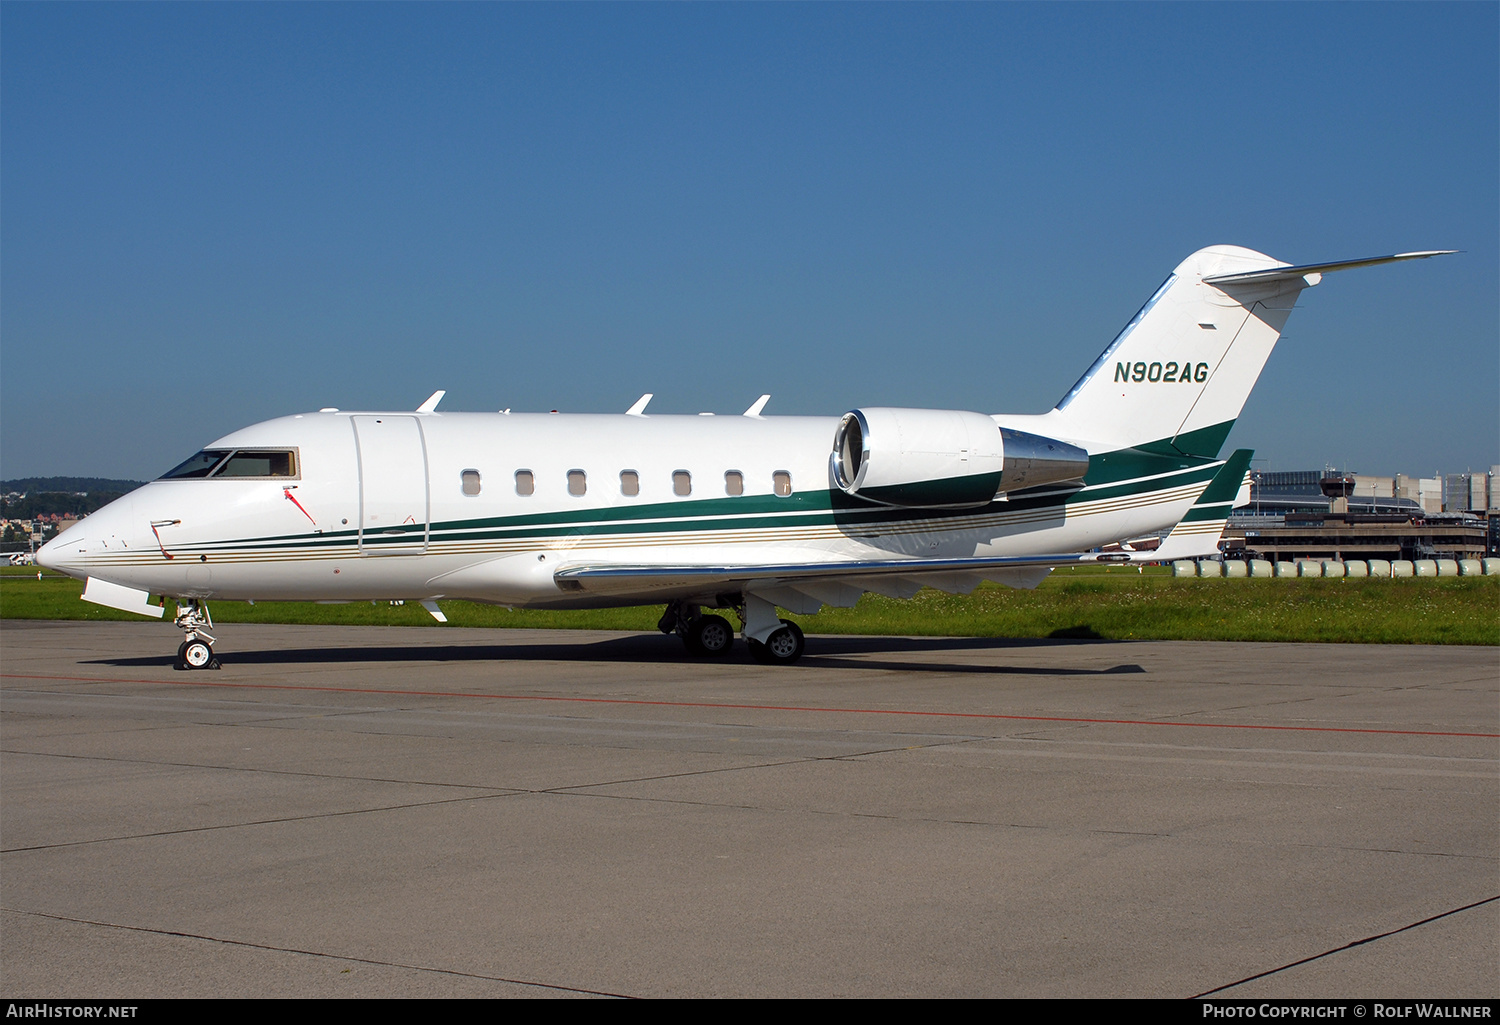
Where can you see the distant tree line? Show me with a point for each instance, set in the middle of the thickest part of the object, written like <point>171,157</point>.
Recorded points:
<point>90,484</point>
<point>49,496</point>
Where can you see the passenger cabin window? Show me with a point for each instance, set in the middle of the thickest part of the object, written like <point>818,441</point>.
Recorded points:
<point>237,463</point>
<point>781,483</point>
<point>578,482</point>
<point>471,482</point>
<point>682,483</point>
<point>630,483</point>
<point>525,482</point>
<point>734,483</point>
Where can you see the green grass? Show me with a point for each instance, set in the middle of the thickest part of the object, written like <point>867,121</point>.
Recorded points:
<point>1093,602</point>
<point>1124,605</point>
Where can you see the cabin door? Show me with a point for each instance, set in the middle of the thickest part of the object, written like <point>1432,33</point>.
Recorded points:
<point>394,504</point>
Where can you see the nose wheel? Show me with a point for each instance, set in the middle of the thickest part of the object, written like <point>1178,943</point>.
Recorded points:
<point>196,655</point>
<point>197,651</point>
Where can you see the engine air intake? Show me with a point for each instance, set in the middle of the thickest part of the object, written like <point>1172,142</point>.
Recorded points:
<point>943,458</point>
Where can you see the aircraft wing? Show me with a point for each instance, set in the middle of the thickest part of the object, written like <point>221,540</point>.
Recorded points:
<point>809,585</point>
<point>603,577</point>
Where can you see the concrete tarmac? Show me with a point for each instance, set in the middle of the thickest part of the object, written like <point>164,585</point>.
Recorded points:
<point>366,811</point>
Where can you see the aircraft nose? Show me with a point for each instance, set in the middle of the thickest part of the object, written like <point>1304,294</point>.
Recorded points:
<point>66,553</point>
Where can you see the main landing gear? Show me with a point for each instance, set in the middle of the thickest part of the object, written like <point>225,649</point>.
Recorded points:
<point>197,650</point>
<point>712,636</point>
<point>709,636</point>
<point>782,648</point>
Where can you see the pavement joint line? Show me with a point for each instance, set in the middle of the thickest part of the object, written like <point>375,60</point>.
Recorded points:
<point>946,743</point>
<point>580,790</point>
<point>261,822</point>
<point>262,769</point>
<point>567,791</point>
<point>1185,836</point>
<point>498,792</point>
<point>754,707</point>
<point>810,760</point>
<point>1346,946</point>
<point>1391,850</point>
<point>319,953</point>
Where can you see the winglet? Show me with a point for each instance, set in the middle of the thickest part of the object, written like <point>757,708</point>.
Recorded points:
<point>432,401</point>
<point>639,409</point>
<point>757,406</point>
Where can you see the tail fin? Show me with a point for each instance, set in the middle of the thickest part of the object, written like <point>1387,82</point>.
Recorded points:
<point>1197,535</point>
<point>1182,369</point>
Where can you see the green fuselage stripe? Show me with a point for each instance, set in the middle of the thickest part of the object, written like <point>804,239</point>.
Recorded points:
<point>1121,474</point>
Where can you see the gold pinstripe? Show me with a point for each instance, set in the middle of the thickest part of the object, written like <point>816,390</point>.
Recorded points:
<point>699,537</point>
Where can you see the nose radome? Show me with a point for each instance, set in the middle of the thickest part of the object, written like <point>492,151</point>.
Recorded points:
<point>66,553</point>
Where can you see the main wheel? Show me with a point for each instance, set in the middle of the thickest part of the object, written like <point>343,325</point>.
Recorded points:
<point>197,654</point>
<point>782,648</point>
<point>711,636</point>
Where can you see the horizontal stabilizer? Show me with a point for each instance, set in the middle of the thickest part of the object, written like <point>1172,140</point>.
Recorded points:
<point>1289,273</point>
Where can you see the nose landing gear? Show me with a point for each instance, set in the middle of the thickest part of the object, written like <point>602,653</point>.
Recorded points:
<point>196,651</point>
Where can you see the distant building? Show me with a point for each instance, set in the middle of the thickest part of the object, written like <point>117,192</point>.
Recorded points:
<point>1425,491</point>
<point>1279,493</point>
<point>1327,514</point>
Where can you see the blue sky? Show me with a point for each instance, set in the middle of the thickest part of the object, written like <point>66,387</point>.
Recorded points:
<point>212,214</point>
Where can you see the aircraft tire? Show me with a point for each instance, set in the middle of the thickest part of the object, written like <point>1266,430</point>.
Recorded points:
<point>197,655</point>
<point>711,636</point>
<point>782,648</point>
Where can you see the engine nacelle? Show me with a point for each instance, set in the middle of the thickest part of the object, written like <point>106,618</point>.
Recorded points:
<point>943,458</point>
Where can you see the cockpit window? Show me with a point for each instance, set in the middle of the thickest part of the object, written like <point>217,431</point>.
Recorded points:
<point>200,465</point>
<point>258,464</point>
<point>237,463</point>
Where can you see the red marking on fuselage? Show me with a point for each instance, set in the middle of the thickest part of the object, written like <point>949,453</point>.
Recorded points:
<point>159,544</point>
<point>293,499</point>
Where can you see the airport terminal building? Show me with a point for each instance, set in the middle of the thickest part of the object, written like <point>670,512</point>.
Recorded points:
<point>1330,514</point>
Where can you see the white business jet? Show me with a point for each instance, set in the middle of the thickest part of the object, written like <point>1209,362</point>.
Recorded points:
<point>745,513</point>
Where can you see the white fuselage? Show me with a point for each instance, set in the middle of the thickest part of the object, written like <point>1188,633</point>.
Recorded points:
<point>377,508</point>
